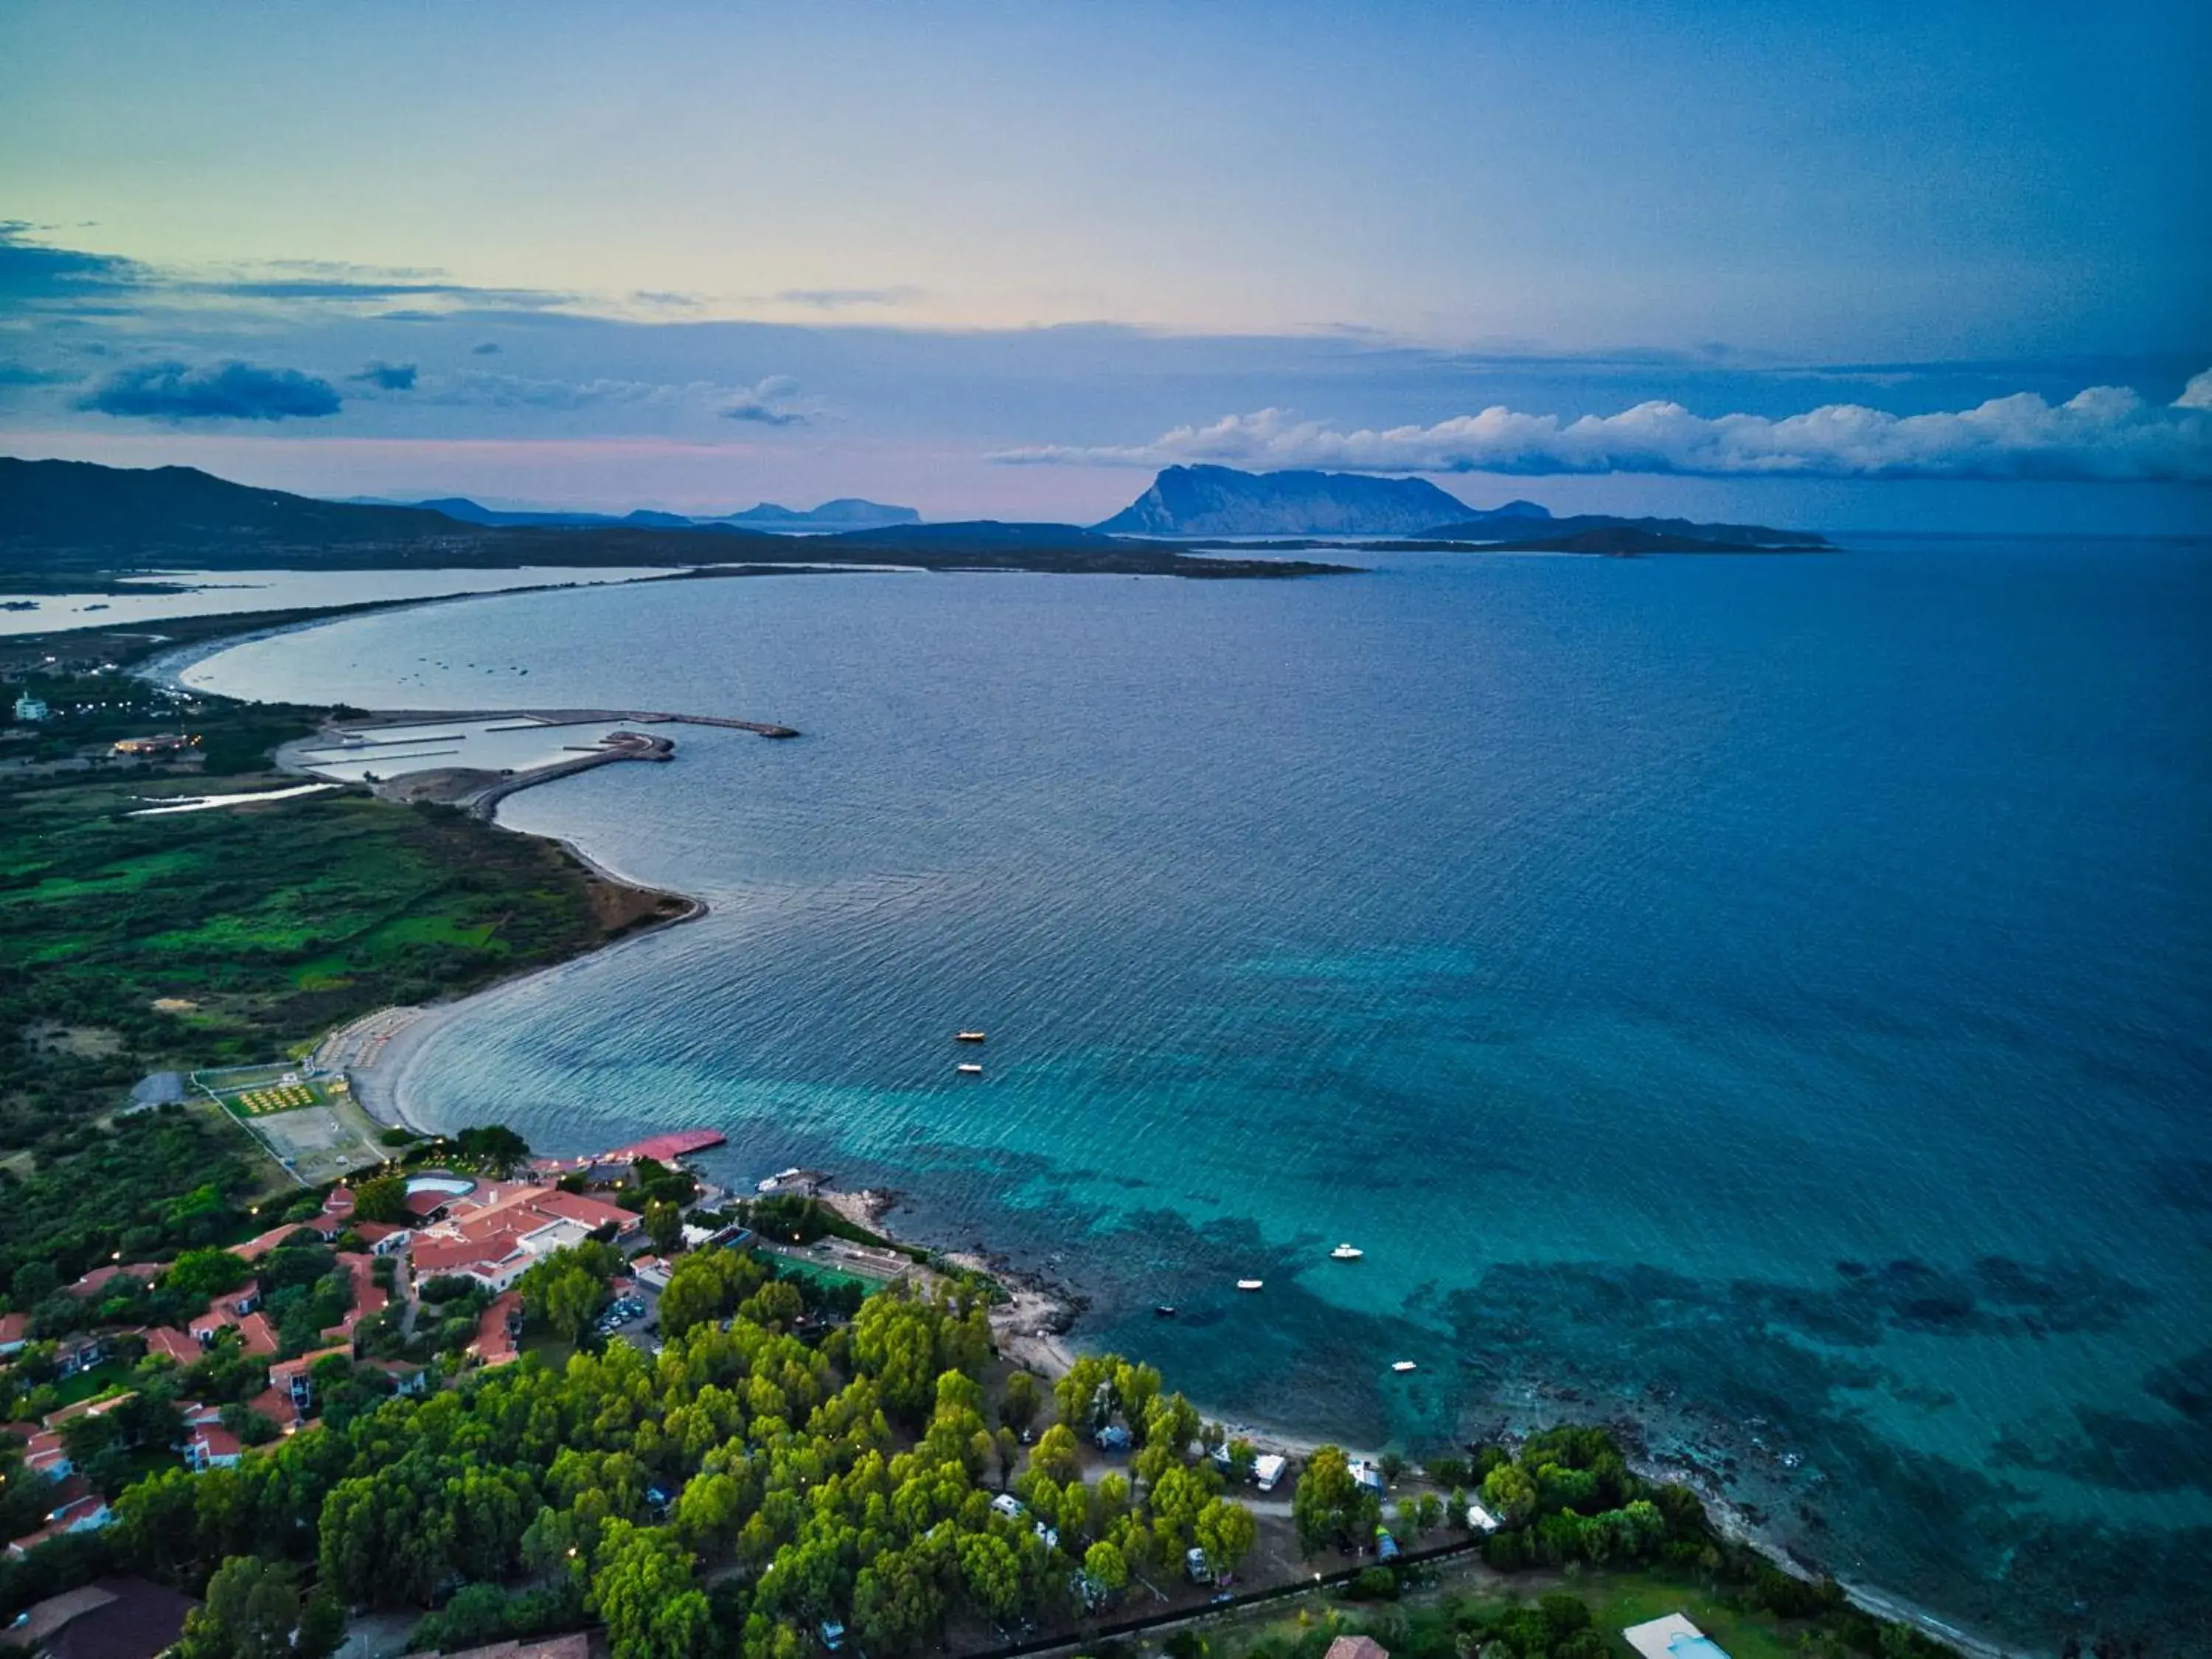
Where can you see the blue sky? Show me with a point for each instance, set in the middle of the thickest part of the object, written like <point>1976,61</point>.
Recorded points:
<point>1000,259</point>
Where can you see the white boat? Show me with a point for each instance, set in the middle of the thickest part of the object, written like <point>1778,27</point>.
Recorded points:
<point>970,1071</point>
<point>1346,1253</point>
<point>1250,1283</point>
<point>776,1180</point>
<point>969,1036</point>
<point>1402,1366</point>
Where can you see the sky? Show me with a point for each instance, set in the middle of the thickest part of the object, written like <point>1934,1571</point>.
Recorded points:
<point>1875,265</point>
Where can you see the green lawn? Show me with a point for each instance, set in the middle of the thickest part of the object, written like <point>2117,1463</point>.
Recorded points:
<point>276,923</point>
<point>1618,1599</point>
<point>103,1378</point>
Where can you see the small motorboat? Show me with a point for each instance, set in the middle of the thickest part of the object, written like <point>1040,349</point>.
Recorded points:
<point>1401,1367</point>
<point>1250,1283</point>
<point>1166,1311</point>
<point>968,1036</point>
<point>969,1071</point>
<point>1346,1253</point>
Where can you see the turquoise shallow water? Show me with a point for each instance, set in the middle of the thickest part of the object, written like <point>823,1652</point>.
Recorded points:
<point>1767,997</point>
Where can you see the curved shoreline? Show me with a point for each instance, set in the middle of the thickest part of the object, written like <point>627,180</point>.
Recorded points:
<point>1045,1350</point>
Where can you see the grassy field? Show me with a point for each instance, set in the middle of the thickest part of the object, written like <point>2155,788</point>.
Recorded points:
<point>1423,1624</point>
<point>251,929</point>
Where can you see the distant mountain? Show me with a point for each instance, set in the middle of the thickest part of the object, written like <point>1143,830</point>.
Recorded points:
<point>64,522</point>
<point>1589,531</point>
<point>846,513</point>
<point>462,508</point>
<point>79,504</point>
<point>1221,500</point>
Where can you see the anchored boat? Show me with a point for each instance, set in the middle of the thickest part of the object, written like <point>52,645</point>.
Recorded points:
<point>1402,1366</point>
<point>969,1071</point>
<point>968,1036</point>
<point>1346,1253</point>
<point>1248,1283</point>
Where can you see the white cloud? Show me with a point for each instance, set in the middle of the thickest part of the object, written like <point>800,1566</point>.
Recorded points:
<point>2106,432</point>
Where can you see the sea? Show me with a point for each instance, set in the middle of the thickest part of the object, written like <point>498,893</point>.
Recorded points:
<point>1765,1001</point>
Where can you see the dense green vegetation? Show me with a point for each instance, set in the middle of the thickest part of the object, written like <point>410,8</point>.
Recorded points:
<point>165,1180</point>
<point>272,923</point>
<point>725,1498</point>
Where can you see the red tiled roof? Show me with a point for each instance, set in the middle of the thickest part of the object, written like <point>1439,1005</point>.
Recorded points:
<point>275,1404</point>
<point>254,1249</point>
<point>495,1345</point>
<point>14,1327</point>
<point>86,1408</point>
<point>216,1441</point>
<point>369,1295</point>
<point>281,1373</point>
<point>99,1277</point>
<point>483,1233</point>
<point>173,1343</point>
<point>258,1340</point>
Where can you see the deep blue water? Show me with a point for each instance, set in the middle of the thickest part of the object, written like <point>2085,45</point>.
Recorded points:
<point>1770,997</point>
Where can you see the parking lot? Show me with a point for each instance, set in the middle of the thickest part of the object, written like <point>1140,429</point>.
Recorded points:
<point>634,1317</point>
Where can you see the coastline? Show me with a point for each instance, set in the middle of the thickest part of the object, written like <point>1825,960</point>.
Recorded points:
<point>1034,1328</point>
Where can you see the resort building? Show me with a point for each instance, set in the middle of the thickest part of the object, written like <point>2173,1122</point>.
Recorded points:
<point>495,1235</point>
<point>212,1447</point>
<point>499,1331</point>
<point>294,1380</point>
<point>173,1345</point>
<point>31,710</point>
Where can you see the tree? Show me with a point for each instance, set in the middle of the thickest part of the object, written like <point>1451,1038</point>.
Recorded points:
<point>253,1606</point>
<point>644,1592</point>
<point>1242,1454</point>
<point>381,1198</point>
<point>1508,1493</point>
<point>494,1146</point>
<point>1055,1455</point>
<point>1135,1389</point>
<point>198,1274</point>
<point>1226,1532</point>
<point>897,1603</point>
<point>1018,1409</point>
<point>991,1572</point>
<point>664,1225</point>
<point>1105,1565</point>
<point>322,1627</point>
<point>1171,1422</point>
<point>1328,1505</point>
<point>565,1297</point>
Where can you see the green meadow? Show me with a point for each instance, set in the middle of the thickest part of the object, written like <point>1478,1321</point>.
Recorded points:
<point>254,928</point>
